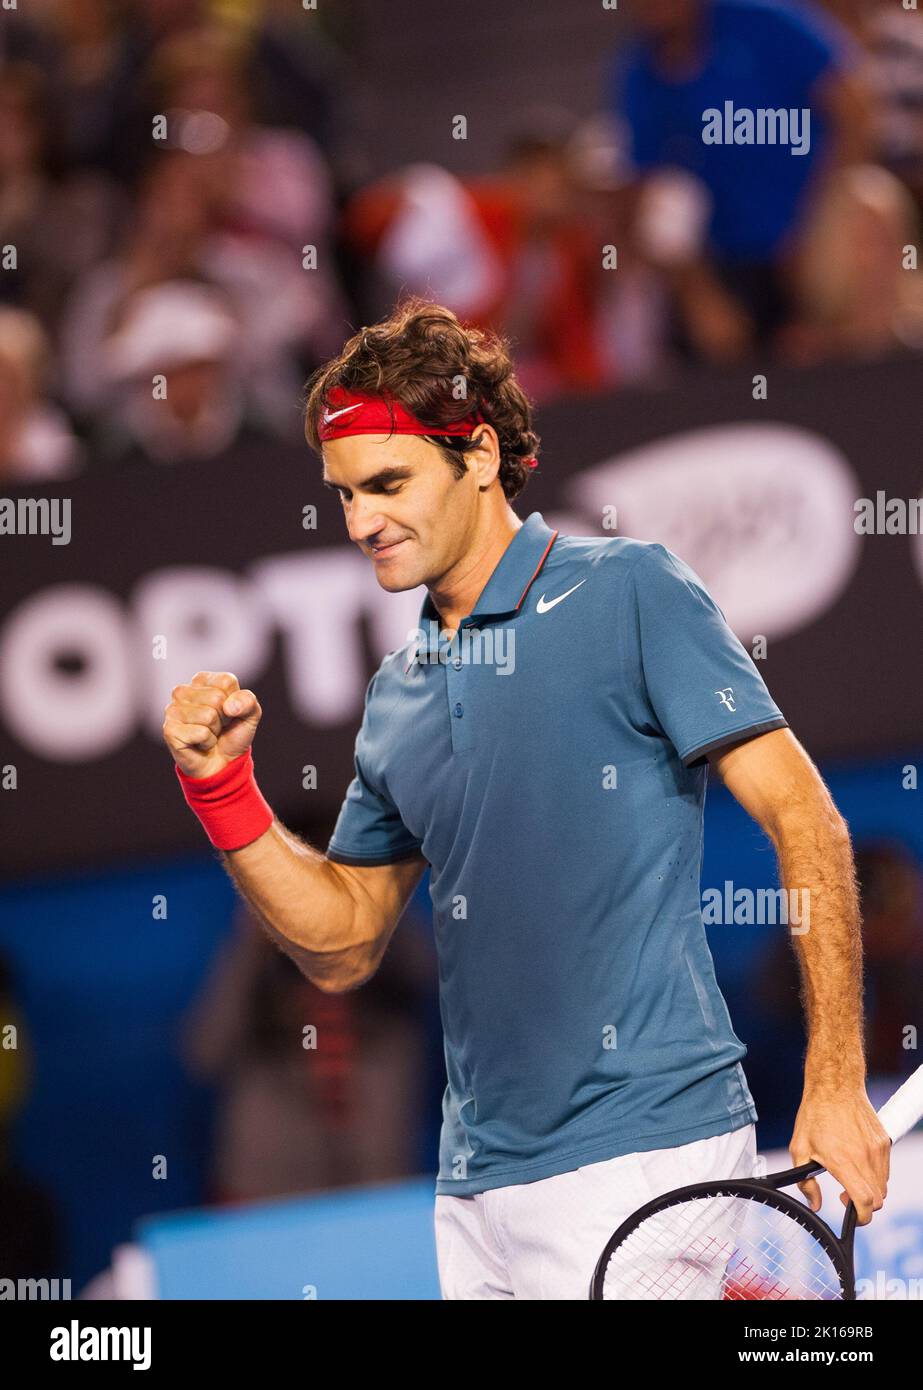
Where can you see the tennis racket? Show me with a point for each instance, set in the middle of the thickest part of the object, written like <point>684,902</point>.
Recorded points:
<point>741,1239</point>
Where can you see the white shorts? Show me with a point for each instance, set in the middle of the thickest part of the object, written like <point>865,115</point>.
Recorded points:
<point>543,1239</point>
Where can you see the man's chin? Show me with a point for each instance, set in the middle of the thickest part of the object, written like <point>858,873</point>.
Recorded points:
<point>393,571</point>
<point>393,581</point>
<point>394,576</point>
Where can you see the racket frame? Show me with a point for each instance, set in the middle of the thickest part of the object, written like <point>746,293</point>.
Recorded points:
<point>765,1190</point>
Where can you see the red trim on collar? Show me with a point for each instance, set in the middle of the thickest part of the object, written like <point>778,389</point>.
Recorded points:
<point>535,573</point>
<point>537,568</point>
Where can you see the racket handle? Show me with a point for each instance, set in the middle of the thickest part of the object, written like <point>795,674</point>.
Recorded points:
<point>901,1112</point>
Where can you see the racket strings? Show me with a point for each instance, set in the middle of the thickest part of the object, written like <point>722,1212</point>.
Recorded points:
<point>723,1247</point>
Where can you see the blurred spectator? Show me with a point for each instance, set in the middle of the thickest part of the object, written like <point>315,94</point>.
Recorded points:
<point>694,56</point>
<point>858,299</point>
<point>519,251</point>
<point>144,25</point>
<point>30,1235</point>
<point>36,440</point>
<point>551,259</point>
<point>298,75</point>
<point>285,312</point>
<point>243,206</point>
<point>54,226</point>
<point>891,37</point>
<point>891,886</point>
<point>187,334</point>
<point>21,36</point>
<point>166,240</point>
<point>297,1119</point>
<point>276,182</point>
<point>632,312</point>
<point>90,72</point>
<point>293,67</point>
<point>419,228</point>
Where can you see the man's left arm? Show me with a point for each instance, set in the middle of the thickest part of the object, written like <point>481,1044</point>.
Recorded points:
<point>778,785</point>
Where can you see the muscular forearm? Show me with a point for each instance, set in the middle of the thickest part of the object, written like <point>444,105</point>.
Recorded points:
<point>775,780</point>
<point>305,904</point>
<point>817,868</point>
<point>309,905</point>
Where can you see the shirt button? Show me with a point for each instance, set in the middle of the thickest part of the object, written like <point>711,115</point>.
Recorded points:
<point>458,711</point>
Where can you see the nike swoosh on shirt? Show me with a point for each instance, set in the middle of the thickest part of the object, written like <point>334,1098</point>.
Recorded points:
<point>329,416</point>
<point>543,607</point>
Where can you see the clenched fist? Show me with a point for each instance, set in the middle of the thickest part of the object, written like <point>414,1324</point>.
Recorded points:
<point>209,722</point>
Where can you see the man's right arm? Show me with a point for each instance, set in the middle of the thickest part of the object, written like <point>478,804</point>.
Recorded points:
<point>334,920</point>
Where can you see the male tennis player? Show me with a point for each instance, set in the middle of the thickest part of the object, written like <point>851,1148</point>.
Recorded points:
<point>542,745</point>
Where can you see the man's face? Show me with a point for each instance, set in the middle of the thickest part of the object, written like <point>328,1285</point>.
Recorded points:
<point>403,504</point>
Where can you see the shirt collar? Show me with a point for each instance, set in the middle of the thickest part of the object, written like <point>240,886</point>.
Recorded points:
<point>505,590</point>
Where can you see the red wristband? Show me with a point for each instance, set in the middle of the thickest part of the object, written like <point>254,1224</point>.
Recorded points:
<point>229,804</point>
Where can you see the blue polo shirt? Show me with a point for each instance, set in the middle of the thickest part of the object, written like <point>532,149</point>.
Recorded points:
<point>549,765</point>
<point>756,54</point>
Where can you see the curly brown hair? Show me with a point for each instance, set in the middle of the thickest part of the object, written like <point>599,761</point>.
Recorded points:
<point>420,355</point>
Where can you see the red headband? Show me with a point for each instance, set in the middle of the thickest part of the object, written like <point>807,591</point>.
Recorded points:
<point>357,412</point>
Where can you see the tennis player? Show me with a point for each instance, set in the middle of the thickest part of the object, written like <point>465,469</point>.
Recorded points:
<point>542,744</point>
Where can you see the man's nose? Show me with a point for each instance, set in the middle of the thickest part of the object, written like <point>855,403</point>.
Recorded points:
<point>364,521</point>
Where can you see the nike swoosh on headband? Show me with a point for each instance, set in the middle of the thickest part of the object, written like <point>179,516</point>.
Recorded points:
<point>330,416</point>
<point>543,607</point>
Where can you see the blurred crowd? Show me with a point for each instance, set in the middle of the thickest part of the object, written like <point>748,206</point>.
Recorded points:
<point>183,234</point>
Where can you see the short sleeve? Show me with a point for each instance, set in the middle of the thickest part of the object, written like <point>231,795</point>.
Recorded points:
<point>702,686</point>
<point>369,830</point>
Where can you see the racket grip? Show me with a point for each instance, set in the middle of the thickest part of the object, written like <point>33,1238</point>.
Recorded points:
<point>904,1109</point>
